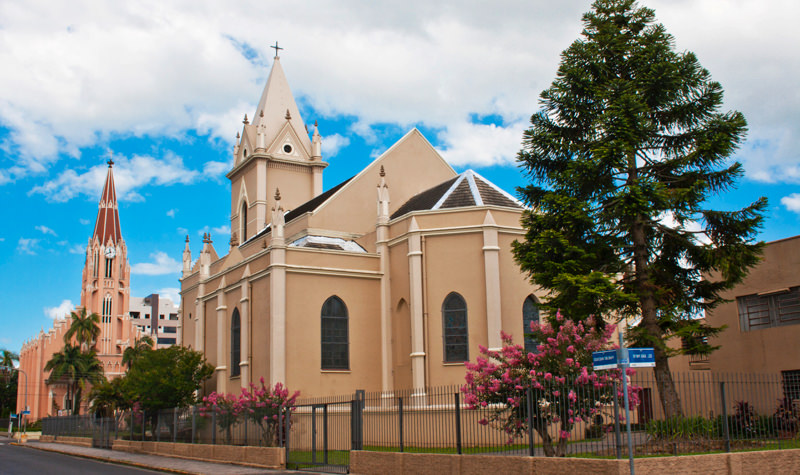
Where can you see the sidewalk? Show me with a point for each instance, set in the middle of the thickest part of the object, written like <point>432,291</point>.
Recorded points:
<point>154,462</point>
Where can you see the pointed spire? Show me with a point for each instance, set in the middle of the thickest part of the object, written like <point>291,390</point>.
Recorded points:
<point>278,106</point>
<point>106,227</point>
<point>245,121</point>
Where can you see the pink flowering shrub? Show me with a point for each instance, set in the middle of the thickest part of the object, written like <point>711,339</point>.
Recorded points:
<point>262,405</point>
<point>564,389</point>
<point>259,404</point>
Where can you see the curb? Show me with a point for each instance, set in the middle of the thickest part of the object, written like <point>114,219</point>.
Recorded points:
<point>107,460</point>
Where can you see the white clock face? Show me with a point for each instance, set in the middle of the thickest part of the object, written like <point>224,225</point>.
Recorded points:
<point>110,252</point>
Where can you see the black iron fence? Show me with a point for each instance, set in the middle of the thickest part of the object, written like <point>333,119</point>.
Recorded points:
<point>718,413</point>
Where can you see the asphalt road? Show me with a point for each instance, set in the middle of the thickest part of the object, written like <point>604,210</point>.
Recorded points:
<point>16,460</point>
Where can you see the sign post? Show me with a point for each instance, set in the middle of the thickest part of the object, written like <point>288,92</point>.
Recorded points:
<point>624,358</point>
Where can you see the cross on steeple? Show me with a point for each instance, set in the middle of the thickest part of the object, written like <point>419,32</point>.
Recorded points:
<point>110,159</point>
<point>276,48</point>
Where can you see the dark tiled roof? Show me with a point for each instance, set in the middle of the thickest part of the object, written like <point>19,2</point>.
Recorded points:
<point>424,200</point>
<point>493,197</point>
<point>306,207</point>
<point>467,189</point>
<point>460,197</point>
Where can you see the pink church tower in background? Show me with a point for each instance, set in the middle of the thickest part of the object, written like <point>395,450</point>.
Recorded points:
<point>105,290</point>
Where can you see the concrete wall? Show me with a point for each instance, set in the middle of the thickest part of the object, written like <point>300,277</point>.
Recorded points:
<point>741,463</point>
<point>266,457</point>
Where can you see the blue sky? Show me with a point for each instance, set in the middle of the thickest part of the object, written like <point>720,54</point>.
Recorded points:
<point>164,85</point>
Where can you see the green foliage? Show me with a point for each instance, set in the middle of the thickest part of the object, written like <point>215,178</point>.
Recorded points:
<point>683,428</point>
<point>133,353</point>
<point>76,369</point>
<point>166,378</point>
<point>108,396</point>
<point>628,146</point>
<point>85,329</point>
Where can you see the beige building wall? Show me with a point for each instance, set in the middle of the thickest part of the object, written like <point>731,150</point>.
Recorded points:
<point>774,348</point>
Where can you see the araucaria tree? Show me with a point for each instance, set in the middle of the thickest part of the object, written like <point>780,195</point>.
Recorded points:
<point>553,386</point>
<point>627,148</point>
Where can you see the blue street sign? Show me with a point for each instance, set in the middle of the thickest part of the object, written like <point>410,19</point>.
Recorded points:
<point>13,416</point>
<point>26,412</point>
<point>604,359</point>
<point>642,357</point>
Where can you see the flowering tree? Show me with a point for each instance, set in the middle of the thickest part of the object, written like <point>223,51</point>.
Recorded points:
<point>260,404</point>
<point>563,388</point>
<point>263,404</point>
<point>226,408</point>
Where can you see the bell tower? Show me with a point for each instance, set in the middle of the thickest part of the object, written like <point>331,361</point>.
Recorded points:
<point>106,273</point>
<point>274,151</point>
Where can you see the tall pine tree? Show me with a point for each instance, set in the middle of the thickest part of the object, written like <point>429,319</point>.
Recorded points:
<point>629,144</point>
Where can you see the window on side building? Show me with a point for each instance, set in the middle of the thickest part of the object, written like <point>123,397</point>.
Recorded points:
<point>334,334</point>
<point>455,333</point>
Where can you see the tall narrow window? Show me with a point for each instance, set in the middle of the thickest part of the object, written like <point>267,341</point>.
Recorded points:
<point>243,221</point>
<point>236,339</point>
<point>335,344</point>
<point>109,267</point>
<point>530,314</point>
<point>107,309</point>
<point>454,329</point>
<point>95,263</point>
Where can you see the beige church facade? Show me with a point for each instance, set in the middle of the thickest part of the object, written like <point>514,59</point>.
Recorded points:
<point>388,280</point>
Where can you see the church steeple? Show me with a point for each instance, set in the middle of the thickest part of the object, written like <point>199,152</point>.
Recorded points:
<point>106,228</point>
<point>273,151</point>
<point>277,107</point>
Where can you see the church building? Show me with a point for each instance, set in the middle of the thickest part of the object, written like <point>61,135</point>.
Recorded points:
<point>105,290</point>
<point>388,280</point>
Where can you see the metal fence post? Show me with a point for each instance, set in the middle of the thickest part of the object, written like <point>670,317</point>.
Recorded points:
<point>617,430</point>
<point>144,423</point>
<point>175,425</point>
<point>529,402</point>
<point>213,428</point>
<point>457,398</point>
<point>400,420</point>
<point>725,427</point>
<point>130,429</point>
<point>280,426</point>
<point>194,423</point>
<point>357,421</point>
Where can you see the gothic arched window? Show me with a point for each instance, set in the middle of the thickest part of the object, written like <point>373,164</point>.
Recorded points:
<point>236,339</point>
<point>455,333</point>
<point>530,314</point>
<point>243,222</point>
<point>334,335</point>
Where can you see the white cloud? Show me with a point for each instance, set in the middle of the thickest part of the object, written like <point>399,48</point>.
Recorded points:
<point>2,239</point>
<point>182,231</point>
<point>61,311</point>
<point>213,170</point>
<point>415,62</point>
<point>45,230</point>
<point>172,293</point>
<point>130,174</point>
<point>27,246</point>
<point>792,202</point>
<point>171,213</point>
<point>163,264</point>
<point>331,144</point>
<point>77,249</point>
<point>481,144</point>
<point>84,221</point>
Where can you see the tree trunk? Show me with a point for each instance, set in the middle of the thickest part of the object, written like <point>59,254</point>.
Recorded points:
<point>547,441</point>
<point>668,395</point>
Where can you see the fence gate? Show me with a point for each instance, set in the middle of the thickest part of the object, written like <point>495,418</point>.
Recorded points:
<point>103,429</point>
<point>320,436</point>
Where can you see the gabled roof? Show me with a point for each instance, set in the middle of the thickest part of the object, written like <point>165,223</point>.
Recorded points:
<point>107,225</point>
<point>306,207</point>
<point>467,189</point>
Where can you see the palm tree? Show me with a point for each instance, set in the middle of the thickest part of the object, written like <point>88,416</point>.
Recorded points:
<point>133,353</point>
<point>85,329</point>
<point>74,368</point>
<point>8,358</point>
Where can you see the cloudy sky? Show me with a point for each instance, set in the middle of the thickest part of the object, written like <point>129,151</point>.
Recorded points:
<point>164,85</point>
